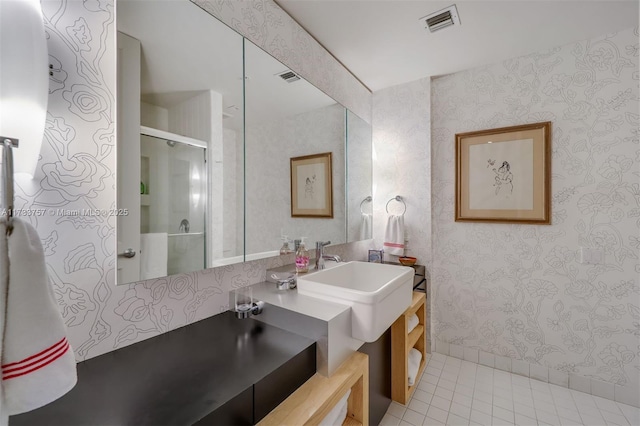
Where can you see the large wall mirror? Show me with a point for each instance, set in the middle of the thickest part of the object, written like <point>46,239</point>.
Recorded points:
<point>207,125</point>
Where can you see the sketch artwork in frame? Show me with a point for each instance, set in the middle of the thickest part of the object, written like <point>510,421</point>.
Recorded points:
<point>504,175</point>
<point>311,187</point>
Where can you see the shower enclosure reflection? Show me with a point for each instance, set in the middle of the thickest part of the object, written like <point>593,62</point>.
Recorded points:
<point>172,207</point>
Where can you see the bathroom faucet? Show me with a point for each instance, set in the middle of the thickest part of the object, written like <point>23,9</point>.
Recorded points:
<point>320,256</point>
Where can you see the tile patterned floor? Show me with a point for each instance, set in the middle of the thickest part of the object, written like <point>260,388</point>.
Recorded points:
<point>456,392</point>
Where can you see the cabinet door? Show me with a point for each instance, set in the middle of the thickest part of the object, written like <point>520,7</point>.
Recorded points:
<point>128,177</point>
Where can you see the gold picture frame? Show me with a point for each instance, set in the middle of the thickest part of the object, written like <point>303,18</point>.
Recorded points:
<point>504,175</point>
<point>311,186</point>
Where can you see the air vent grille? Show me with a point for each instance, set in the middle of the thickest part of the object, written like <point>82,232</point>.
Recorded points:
<point>441,19</point>
<point>288,76</point>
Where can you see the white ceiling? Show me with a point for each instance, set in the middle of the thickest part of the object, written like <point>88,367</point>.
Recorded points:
<point>383,43</point>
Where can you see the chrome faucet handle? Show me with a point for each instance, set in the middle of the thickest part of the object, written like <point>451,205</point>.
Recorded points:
<point>320,244</point>
<point>319,253</point>
<point>333,257</point>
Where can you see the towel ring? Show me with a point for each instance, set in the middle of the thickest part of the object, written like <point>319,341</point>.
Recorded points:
<point>368,198</point>
<point>398,199</point>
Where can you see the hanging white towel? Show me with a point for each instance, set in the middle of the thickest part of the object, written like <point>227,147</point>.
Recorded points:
<point>154,250</point>
<point>413,361</point>
<point>365,226</point>
<point>38,365</point>
<point>394,235</point>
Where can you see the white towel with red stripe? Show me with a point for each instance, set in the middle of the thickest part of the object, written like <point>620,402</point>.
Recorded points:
<point>38,365</point>
<point>394,235</point>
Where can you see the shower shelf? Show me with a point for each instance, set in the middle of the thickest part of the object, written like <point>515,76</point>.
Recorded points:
<point>186,234</point>
<point>161,134</point>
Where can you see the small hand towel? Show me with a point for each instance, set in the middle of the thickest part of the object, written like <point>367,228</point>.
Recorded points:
<point>365,226</point>
<point>414,358</point>
<point>38,365</point>
<point>412,323</point>
<point>394,235</point>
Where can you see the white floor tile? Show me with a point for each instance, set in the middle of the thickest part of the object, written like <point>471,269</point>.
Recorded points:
<point>428,421</point>
<point>444,393</point>
<point>422,396</point>
<point>566,413</point>
<point>389,420</point>
<point>457,392</point>
<point>483,396</point>
<point>460,410</point>
<point>567,422</point>
<point>525,421</point>
<point>481,406</point>
<point>396,410</point>
<point>441,403</point>
<point>525,410</point>
<point>496,421</point>
<point>430,378</point>
<point>503,414</point>
<point>632,414</point>
<point>427,387</point>
<point>546,417</point>
<point>607,405</point>
<point>449,376</point>
<point>438,414</point>
<point>447,384</point>
<point>418,406</point>
<point>480,417</point>
<point>616,419</point>
<point>462,399</point>
<point>507,404</point>
<point>544,406</point>
<point>413,417</point>
<point>454,420</point>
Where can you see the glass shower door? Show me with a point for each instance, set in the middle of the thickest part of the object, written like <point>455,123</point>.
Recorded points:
<point>173,177</point>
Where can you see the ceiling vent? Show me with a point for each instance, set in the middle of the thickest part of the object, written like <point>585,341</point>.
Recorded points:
<point>441,19</point>
<point>288,76</point>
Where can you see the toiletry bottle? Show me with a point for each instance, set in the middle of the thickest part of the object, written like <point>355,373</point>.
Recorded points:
<point>302,258</point>
<point>285,245</point>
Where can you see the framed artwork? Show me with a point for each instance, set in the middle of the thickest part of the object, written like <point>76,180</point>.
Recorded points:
<point>504,175</point>
<point>311,187</point>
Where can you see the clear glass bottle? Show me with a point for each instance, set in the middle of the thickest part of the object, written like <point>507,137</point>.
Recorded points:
<point>285,245</point>
<point>302,258</point>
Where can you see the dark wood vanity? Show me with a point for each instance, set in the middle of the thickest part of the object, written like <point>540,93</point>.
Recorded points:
<point>217,371</point>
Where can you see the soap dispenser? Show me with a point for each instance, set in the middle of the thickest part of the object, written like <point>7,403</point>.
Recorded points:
<point>302,258</point>
<point>285,245</point>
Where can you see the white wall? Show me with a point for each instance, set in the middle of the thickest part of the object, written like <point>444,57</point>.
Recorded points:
<point>516,296</point>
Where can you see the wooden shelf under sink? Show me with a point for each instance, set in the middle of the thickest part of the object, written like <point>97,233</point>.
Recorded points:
<point>402,341</point>
<point>312,401</point>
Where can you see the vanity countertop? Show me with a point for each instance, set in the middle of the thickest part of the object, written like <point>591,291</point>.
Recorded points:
<point>292,300</point>
<point>176,378</point>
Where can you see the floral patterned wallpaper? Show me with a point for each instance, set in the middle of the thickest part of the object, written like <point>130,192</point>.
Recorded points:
<point>519,291</point>
<point>401,145</point>
<point>76,173</point>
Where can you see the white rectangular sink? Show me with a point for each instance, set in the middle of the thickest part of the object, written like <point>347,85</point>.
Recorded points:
<point>377,293</point>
